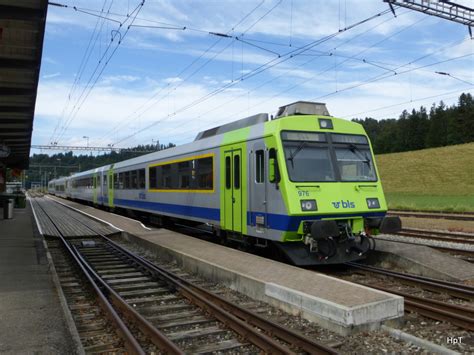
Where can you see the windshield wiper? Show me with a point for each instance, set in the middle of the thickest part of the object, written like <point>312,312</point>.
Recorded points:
<point>354,149</point>
<point>296,151</point>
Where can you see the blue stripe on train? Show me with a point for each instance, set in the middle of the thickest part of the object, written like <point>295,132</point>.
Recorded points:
<point>189,211</point>
<point>291,223</point>
<point>275,221</point>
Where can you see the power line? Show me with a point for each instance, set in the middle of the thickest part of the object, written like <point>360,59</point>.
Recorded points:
<point>206,62</point>
<point>258,70</point>
<point>82,65</point>
<point>403,103</point>
<point>127,118</point>
<point>398,73</point>
<point>379,77</point>
<point>88,88</point>
<point>353,57</point>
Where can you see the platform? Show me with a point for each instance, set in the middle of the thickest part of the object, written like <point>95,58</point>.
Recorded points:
<point>335,304</point>
<point>31,320</point>
<point>422,260</point>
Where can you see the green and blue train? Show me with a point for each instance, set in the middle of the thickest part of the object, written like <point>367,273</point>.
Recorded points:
<point>302,182</point>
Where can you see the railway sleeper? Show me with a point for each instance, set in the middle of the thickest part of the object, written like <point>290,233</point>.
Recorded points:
<point>196,333</point>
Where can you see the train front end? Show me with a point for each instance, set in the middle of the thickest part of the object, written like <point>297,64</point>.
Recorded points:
<point>332,190</point>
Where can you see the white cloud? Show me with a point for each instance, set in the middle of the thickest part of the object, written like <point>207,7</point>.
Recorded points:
<point>172,80</point>
<point>50,76</point>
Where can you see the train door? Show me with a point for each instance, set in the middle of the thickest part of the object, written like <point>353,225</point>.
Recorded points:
<point>233,190</point>
<point>104,190</point>
<point>94,188</point>
<point>258,187</point>
<point>110,175</point>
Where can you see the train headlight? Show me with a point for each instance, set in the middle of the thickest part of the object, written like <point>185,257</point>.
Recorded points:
<point>373,203</point>
<point>308,205</point>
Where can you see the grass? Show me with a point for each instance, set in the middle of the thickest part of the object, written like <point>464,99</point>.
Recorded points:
<point>429,179</point>
<point>430,202</point>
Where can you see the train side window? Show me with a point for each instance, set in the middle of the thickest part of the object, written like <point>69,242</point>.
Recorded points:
<point>204,173</point>
<point>126,180</point>
<point>121,181</point>
<point>259,166</point>
<point>236,171</point>
<point>141,179</point>
<point>273,170</point>
<point>185,174</point>
<point>134,179</point>
<point>227,172</point>
<point>152,181</point>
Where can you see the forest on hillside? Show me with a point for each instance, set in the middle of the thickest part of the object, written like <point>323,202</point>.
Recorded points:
<point>419,129</point>
<point>63,164</point>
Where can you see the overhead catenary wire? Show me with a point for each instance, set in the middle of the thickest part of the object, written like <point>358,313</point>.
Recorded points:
<point>260,69</point>
<point>211,58</point>
<point>354,115</point>
<point>403,65</point>
<point>143,108</point>
<point>82,65</point>
<point>353,57</point>
<point>105,59</point>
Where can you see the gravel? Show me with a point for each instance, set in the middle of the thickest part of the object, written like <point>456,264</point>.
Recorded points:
<point>427,242</point>
<point>373,342</point>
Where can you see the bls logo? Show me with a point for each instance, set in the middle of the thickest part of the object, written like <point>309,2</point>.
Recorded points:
<point>344,204</point>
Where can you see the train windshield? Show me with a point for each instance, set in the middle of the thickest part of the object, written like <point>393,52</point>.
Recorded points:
<point>307,157</point>
<point>355,164</point>
<point>319,157</point>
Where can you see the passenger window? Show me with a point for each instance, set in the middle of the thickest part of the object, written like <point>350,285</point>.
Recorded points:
<point>236,171</point>
<point>152,178</point>
<point>259,166</point>
<point>227,172</point>
<point>134,179</point>
<point>121,181</point>
<point>141,179</point>
<point>126,183</point>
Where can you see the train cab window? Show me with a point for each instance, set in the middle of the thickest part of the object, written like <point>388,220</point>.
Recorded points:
<point>227,172</point>
<point>259,166</point>
<point>141,179</point>
<point>236,171</point>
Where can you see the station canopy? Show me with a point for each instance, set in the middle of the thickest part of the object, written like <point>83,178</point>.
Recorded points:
<point>22,25</point>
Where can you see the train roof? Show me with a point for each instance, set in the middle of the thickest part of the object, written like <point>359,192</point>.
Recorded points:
<point>258,125</point>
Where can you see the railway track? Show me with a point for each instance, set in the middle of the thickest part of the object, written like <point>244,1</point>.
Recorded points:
<point>184,317</point>
<point>460,316</point>
<point>464,216</point>
<point>453,237</point>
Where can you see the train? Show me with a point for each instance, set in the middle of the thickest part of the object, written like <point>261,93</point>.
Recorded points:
<point>302,183</point>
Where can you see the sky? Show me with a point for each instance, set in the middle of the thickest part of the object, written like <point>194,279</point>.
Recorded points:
<point>123,72</point>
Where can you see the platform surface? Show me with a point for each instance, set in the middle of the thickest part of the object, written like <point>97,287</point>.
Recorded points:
<point>342,300</point>
<point>31,320</point>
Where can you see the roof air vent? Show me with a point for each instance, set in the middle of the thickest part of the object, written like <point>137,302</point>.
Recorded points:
<point>303,108</point>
